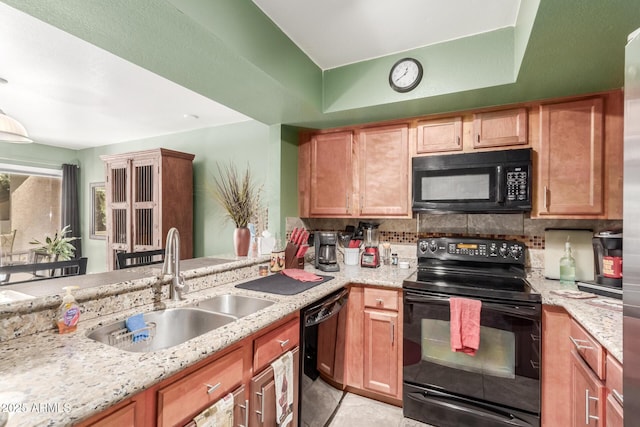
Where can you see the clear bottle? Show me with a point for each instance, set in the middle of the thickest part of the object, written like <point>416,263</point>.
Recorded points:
<point>567,266</point>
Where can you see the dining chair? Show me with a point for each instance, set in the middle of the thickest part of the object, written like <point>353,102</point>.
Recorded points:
<point>139,259</point>
<point>72,267</point>
<point>6,244</point>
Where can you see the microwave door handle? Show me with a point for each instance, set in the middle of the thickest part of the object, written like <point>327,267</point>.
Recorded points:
<point>500,185</point>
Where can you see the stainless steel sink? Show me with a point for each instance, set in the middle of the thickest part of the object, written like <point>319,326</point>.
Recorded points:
<point>233,305</point>
<point>165,329</point>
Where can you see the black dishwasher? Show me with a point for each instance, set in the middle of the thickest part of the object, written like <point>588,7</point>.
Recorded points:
<point>322,330</point>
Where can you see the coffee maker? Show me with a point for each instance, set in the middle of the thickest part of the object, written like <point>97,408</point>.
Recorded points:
<point>607,253</point>
<point>371,255</point>
<point>326,247</point>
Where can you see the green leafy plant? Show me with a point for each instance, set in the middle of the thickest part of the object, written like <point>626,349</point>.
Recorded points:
<point>59,246</point>
<point>237,193</point>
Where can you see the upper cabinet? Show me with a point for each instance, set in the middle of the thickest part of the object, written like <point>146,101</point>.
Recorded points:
<point>500,128</point>
<point>579,159</point>
<point>359,173</point>
<point>439,135</point>
<point>148,192</point>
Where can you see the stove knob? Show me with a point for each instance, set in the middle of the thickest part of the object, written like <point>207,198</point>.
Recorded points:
<point>504,251</point>
<point>422,246</point>
<point>516,251</point>
<point>433,246</point>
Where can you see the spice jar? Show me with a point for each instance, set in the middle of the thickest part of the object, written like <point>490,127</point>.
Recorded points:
<point>394,259</point>
<point>263,270</point>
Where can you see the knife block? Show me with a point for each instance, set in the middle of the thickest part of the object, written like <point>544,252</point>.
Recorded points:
<point>290,260</point>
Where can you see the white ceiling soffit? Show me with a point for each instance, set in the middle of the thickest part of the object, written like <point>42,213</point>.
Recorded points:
<point>70,93</point>
<point>334,33</point>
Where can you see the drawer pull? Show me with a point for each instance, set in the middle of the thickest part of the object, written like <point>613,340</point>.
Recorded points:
<point>261,411</point>
<point>212,388</point>
<point>579,346</point>
<point>380,301</point>
<point>617,396</point>
<point>588,416</point>
<point>284,343</point>
<point>393,333</point>
<point>245,408</point>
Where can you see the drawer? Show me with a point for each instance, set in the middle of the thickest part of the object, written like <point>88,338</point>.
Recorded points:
<point>614,376</point>
<point>271,345</point>
<point>587,347</point>
<point>381,298</point>
<point>180,401</point>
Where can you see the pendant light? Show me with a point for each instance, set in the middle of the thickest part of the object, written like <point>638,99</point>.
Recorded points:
<point>12,131</point>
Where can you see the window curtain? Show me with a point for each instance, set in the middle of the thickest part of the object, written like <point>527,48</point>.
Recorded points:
<point>70,205</point>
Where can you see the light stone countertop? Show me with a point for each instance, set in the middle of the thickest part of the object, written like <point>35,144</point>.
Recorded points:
<point>74,377</point>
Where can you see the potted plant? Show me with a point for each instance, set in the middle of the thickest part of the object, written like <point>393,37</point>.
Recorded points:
<point>58,247</point>
<point>239,196</point>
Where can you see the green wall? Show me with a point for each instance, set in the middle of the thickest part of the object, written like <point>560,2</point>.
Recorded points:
<point>246,144</point>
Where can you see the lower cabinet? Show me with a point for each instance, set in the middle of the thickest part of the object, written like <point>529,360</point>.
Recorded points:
<point>613,411</point>
<point>587,393</point>
<point>263,396</point>
<point>374,343</point>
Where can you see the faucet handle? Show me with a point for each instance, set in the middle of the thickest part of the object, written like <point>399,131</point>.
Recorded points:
<point>182,287</point>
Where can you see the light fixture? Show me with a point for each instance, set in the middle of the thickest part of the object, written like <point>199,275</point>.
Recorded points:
<point>12,131</point>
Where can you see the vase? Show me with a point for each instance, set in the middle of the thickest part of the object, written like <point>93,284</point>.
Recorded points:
<point>241,241</point>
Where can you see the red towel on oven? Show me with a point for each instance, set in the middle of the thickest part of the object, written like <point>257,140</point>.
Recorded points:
<point>465,325</point>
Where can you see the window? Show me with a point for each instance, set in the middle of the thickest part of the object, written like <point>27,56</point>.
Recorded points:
<point>30,204</point>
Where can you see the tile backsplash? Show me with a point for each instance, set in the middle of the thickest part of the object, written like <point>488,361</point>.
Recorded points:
<point>518,227</point>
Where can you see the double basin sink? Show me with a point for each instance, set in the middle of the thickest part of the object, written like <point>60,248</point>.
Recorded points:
<point>173,326</point>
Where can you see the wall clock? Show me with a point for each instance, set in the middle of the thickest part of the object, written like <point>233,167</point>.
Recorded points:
<point>405,75</point>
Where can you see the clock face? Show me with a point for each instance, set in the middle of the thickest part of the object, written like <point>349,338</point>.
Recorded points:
<point>405,75</point>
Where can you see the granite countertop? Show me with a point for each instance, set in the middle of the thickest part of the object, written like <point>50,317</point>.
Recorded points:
<point>74,377</point>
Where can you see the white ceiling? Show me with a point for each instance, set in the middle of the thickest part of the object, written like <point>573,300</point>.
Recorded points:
<point>339,32</point>
<point>72,94</point>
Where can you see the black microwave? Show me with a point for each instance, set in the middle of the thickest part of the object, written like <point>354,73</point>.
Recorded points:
<point>492,181</point>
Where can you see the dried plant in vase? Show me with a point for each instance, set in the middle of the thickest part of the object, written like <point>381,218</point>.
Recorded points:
<point>239,196</point>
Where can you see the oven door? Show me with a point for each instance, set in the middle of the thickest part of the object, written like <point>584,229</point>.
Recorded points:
<point>506,368</point>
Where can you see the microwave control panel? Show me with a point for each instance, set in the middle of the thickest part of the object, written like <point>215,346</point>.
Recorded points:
<point>517,183</point>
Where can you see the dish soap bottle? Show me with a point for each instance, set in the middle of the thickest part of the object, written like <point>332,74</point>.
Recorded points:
<point>567,266</point>
<point>69,312</point>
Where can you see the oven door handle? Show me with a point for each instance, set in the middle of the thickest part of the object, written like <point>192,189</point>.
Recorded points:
<point>524,311</point>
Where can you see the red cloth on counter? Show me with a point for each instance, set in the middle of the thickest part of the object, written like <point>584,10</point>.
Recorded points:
<point>301,275</point>
<point>465,325</point>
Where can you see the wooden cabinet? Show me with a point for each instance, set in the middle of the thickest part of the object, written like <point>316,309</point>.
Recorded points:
<point>374,343</point>
<point>147,193</point>
<point>571,158</point>
<point>614,410</point>
<point>355,173</point>
<point>587,394</point>
<point>273,344</point>
<point>331,168</point>
<point>263,396</point>
<point>500,128</point>
<point>383,172</point>
<point>187,397</point>
<point>122,417</point>
<point>556,366</point>
<point>438,135</point>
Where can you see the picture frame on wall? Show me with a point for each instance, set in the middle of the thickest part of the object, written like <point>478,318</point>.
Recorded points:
<point>98,229</point>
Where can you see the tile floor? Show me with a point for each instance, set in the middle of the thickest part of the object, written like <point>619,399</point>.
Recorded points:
<point>358,411</point>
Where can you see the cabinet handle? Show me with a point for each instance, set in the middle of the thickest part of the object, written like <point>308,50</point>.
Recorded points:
<point>478,138</point>
<point>380,301</point>
<point>283,343</point>
<point>212,388</point>
<point>458,140</point>
<point>587,415</point>
<point>546,201</point>
<point>617,396</point>
<point>393,334</point>
<point>579,346</point>
<point>245,407</point>
<point>346,195</point>
<point>261,411</point>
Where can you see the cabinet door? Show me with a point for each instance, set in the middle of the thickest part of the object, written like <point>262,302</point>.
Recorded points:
<point>384,171</point>
<point>123,417</point>
<point>571,159</point>
<point>500,128</point>
<point>556,366</point>
<point>145,207</point>
<point>615,415</point>
<point>118,202</point>
<point>439,135</point>
<point>262,409</point>
<point>332,174</point>
<point>587,394</point>
<point>381,351</point>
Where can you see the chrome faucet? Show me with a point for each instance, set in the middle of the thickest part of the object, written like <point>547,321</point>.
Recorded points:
<point>172,265</point>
